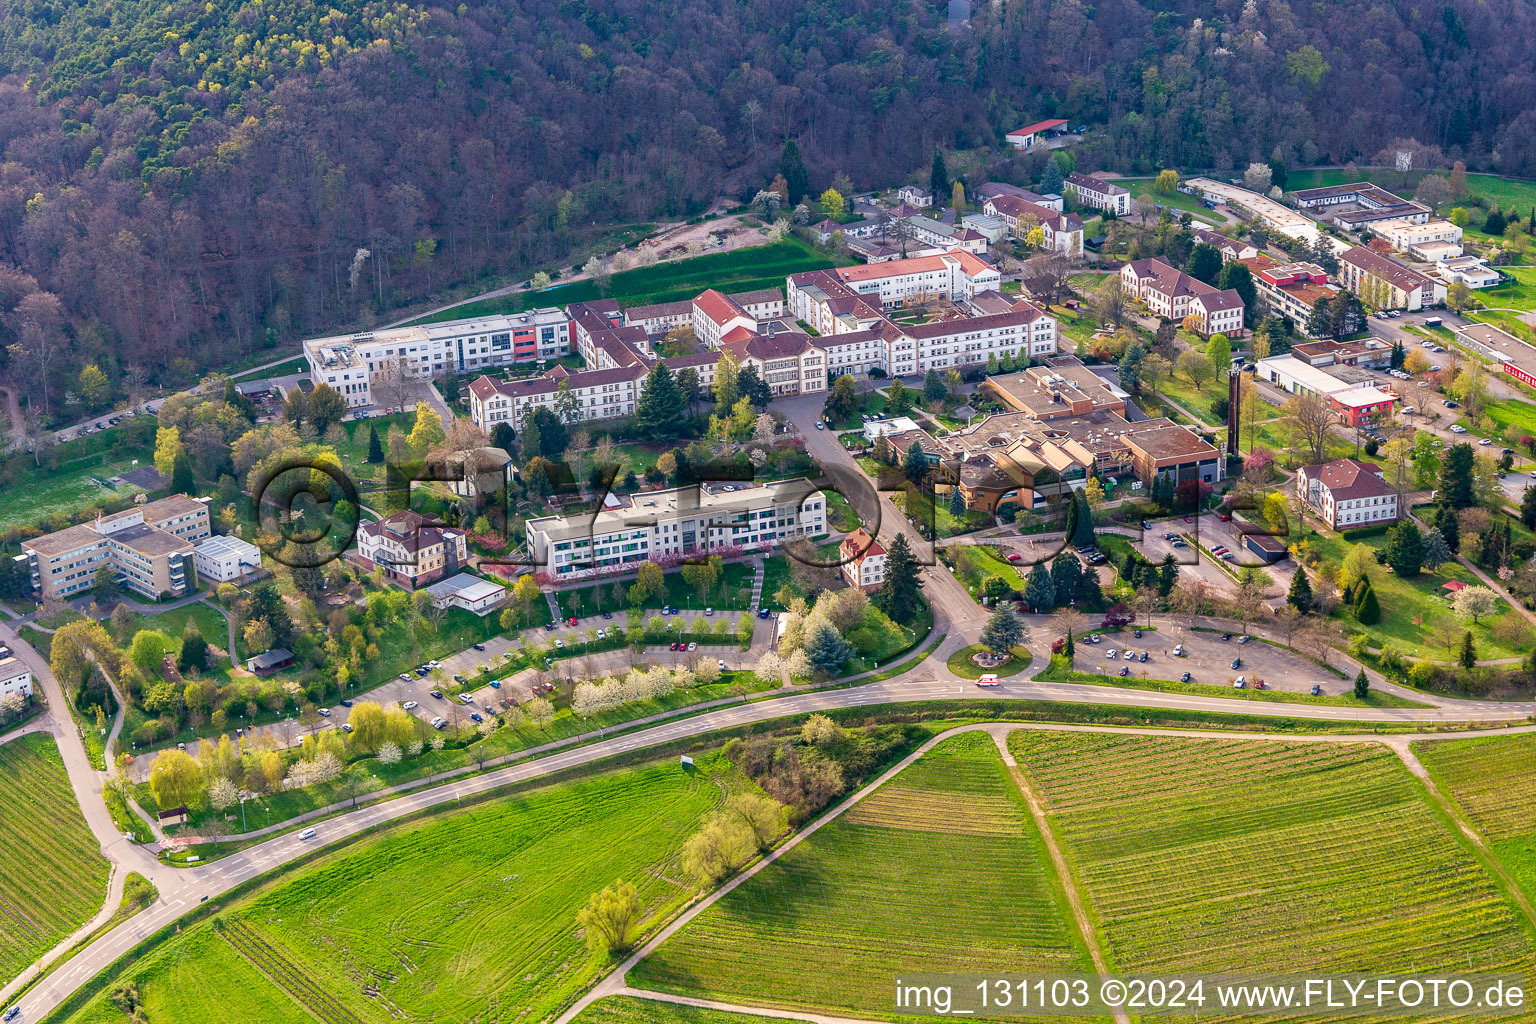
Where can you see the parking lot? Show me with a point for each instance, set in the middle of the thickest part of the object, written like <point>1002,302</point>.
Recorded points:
<point>1207,659</point>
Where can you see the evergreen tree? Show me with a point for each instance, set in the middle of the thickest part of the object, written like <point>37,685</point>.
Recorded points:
<point>1066,574</point>
<point>956,502</point>
<point>1089,594</point>
<point>659,413</point>
<point>1204,263</point>
<point>1039,591</point>
<point>933,387</point>
<point>898,596</point>
<point>1405,549</point>
<point>938,177</point>
<point>1167,575</point>
<point>501,437</point>
<point>375,448</point>
<point>1362,686</point>
<point>1436,551</point>
<point>182,480</point>
<point>1468,657</point>
<point>1003,631</point>
<point>1130,367</point>
<point>1528,507</point>
<point>752,387</point>
<point>1069,648</point>
<point>1300,596</point>
<point>1320,320</point>
<point>913,464</point>
<point>795,177</point>
<point>552,437</point>
<point>1079,521</point>
<point>1239,278</point>
<point>194,650</point>
<point>1398,354</point>
<point>1493,224</point>
<point>1456,477</point>
<point>826,649</point>
<point>1051,179</point>
<point>1367,610</point>
<point>1449,526</point>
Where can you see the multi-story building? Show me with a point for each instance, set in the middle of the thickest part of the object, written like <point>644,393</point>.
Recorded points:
<point>1360,206</point>
<point>715,315</point>
<point>1099,194</point>
<point>1170,293</point>
<point>1406,235</point>
<point>599,395</point>
<point>951,275</point>
<point>225,559</point>
<point>1369,353</point>
<point>1230,248</point>
<point>412,549</point>
<point>149,548</point>
<point>15,677</point>
<point>1063,231</point>
<point>352,363</point>
<point>863,561</point>
<point>1293,288</point>
<point>1347,493</point>
<point>1386,282</point>
<point>674,525</point>
<point>935,233</point>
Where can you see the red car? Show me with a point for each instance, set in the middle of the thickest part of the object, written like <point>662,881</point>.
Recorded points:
<point>1015,557</point>
<point>1226,518</point>
<point>1187,519</point>
<point>573,620</point>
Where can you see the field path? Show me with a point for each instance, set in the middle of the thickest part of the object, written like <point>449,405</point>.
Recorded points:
<point>1063,871</point>
<point>755,1011</point>
<point>614,984</point>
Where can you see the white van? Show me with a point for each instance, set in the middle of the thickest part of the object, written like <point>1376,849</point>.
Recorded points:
<point>308,833</point>
<point>989,679</point>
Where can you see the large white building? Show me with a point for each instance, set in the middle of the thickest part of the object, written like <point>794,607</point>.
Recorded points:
<point>1099,194</point>
<point>15,677</point>
<point>1170,293</point>
<point>1347,493</point>
<point>352,363</point>
<point>951,275</point>
<point>674,525</point>
<point>225,559</point>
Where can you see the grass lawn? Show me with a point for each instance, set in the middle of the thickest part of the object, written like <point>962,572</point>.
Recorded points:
<point>457,916</point>
<point>733,591</point>
<point>840,514</point>
<point>1490,780</point>
<point>54,877</point>
<point>1059,671</point>
<point>1509,418</point>
<point>960,663</point>
<point>870,402</point>
<point>1141,189</point>
<point>210,623</point>
<point>937,870</point>
<point>1404,600</point>
<point>981,561</point>
<point>1253,855</point>
<point>740,270</point>
<point>927,512</point>
<point>35,495</point>
<point>1197,402</point>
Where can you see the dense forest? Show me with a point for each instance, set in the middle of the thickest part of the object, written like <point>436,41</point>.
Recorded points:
<point>188,182</point>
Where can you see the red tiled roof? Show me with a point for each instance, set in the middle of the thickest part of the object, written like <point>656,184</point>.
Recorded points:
<point>1039,126</point>
<point>718,307</point>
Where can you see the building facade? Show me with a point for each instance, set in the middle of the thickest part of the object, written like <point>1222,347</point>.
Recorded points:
<point>1347,493</point>
<point>1387,283</point>
<point>412,550</point>
<point>674,525</point>
<point>863,561</point>
<point>1099,194</point>
<point>149,549</point>
<point>1170,293</point>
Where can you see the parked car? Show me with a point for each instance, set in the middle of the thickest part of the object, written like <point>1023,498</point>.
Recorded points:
<point>1015,557</point>
<point>1143,656</point>
<point>820,425</point>
<point>1130,655</point>
<point>559,642</point>
<point>1178,650</point>
<point>720,664</point>
<point>1237,662</point>
<point>572,621</point>
<point>409,705</point>
<point>466,699</point>
<point>709,611</point>
<point>346,702</point>
<point>1316,690</point>
<point>405,676</point>
<point>324,712</point>
<point>692,646</point>
<point>1239,683</point>
<point>478,647</point>
<point>436,693</point>
<point>1184,678</point>
<point>476,717</point>
<point>608,615</point>
<point>1125,670</point>
<point>763,613</point>
<point>1245,638</point>
<point>346,726</point>
<point>495,684</point>
<point>1111,653</point>
<point>438,723</point>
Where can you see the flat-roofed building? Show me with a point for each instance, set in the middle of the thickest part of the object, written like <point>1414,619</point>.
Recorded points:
<point>465,590</point>
<point>1403,234</point>
<point>1293,288</point>
<point>352,363</point>
<point>1368,352</point>
<point>674,525</point>
<point>1515,357</point>
<point>226,559</point>
<point>1362,404</point>
<point>1468,270</point>
<point>1298,377</point>
<point>149,549</point>
<point>15,677</point>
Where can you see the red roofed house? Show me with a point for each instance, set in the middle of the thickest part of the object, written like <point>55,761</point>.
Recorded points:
<point>1024,138</point>
<point>1347,493</point>
<point>715,314</point>
<point>1453,587</point>
<point>411,549</point>
<point>863,561</point>
<point>1063,231</point>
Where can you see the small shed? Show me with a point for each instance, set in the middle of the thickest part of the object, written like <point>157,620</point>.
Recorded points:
<point>268,662</point>
<point>1271,549</point>
<point>173,816</point>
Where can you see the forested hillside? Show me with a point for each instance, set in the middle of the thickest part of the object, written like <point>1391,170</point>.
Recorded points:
<point>193,179</point>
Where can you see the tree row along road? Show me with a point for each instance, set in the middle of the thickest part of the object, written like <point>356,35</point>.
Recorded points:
<point>186,889</point>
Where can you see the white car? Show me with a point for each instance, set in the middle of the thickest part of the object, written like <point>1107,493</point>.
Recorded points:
<point>1485,441</point>
<point>1239,683</point>
<point>1457,428</point>
<point>325,712</point>
<point>1130,655</point>
<point>1178,650</point>
<point>1111,653</point>
<point>409,705</point>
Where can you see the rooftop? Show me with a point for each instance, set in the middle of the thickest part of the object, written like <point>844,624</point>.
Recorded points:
<point>466,586</point>
<point>647,507</point>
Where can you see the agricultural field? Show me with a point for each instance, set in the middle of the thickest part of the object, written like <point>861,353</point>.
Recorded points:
<point>1211,855</point>
<point>628,1010</point>
<point>55,880</point>
<point>1414,613</point>
<point>741,270</point>
<point>1491,781</point>
<point>459,916</point>
<point>938,870</point>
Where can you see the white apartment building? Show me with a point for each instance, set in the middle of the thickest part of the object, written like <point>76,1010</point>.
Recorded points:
<point>15,677</point>
<point>599,394</point>
<point>675,524</point>
<point>863,561</point>
<point>1347,493</point>
<point>351,363</point>
<point>1389,283</point>
<point>149,548</point>
<point>1028,331</point>
<point>951,275</point>
<point>225,559</point>
<point>1099,194</point>
<point>1404,234</point>
<point>1063,231</point>
<point>1172,294</point>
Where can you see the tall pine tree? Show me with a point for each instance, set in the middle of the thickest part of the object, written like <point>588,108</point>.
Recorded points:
<point>898,596</point>
<point>660,411</point>
<point>375,448</point>
<point>1300,596</point>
